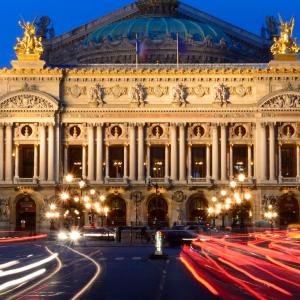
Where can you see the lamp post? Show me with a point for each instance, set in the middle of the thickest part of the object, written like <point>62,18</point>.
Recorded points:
<point>137,195</point>
<point>270,215</point>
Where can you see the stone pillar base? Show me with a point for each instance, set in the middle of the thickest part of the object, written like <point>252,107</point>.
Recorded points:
<point>35,64</point>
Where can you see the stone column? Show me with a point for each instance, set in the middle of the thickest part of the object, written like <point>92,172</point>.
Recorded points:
<point>208,162</point>
<point>148,161</point>
<point>125,161</point>
<point>8,152</point>
<point>249,161</point>
<point>66,167</point>
<point>272,151</point>
<point>182,156</point>
<point>141,167</point>
<point>1,153</point>
<point>132,153</point>
<point>43,153</point>
<point>99,164</point>
<point>223,153</point>
<point>167,162</point>
<point>91,153</point>
<point>298,162</point>
<point>231,161</point>
<point>84,161</point>
<point>51,154</point>
<point>190,161</point>
<point>173,130</point>
<point>263,153</point>
<point>107,161</point>
<point>35,163</point>
<point>279,163</point>
<point>16,161</point>
<point>215,152</point>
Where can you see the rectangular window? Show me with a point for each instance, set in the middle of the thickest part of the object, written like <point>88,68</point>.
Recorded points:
<point>199,161</point>
<point>75,161</point>
<point>26,161</point>
<point>288,161</point>
<point>157,162</point>
<point>116,162</point>
<point>240,160</point>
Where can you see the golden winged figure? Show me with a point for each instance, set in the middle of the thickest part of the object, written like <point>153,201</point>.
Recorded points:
<point>29,46</point>
<point>285,44</point>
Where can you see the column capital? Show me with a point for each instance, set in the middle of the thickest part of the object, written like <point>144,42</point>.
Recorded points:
<point>214,125</point>
<point>223,124</point>
<point>141,124</point>
<point>172,124</point>
<point>99,124</point>
<point>2,125</point>
<point>182,125</point>
<point>9,124</point>
<point>90,125</point>
<point>132,125</point>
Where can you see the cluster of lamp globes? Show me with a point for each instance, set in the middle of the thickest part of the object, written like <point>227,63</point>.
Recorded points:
<point>237,198</point>
<point>88,201</point>
<point>270,214</point>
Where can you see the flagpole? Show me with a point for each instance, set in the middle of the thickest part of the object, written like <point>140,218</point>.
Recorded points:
<point>136,51</point>
<point>177,50</point>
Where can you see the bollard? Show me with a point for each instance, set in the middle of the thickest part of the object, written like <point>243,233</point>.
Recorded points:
<point>158,253</point>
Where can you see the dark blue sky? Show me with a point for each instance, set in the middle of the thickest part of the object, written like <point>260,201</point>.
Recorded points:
<point>68,14</point>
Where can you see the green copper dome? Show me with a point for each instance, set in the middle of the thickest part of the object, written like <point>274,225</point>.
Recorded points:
<point>156,28</point>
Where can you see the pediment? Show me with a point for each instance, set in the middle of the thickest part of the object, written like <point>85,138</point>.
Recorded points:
<point>28,101</point>
<point>281,100</point>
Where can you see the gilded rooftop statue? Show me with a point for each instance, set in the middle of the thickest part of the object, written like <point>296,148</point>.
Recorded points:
<point>29,47</point>
<point>285,44</point>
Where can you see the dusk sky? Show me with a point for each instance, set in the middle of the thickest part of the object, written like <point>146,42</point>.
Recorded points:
<point>69,14</point>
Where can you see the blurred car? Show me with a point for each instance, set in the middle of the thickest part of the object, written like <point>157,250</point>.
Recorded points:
<point>100,233</point>
<point>293,231</point>
<point>175,238</point>
<point>178,227</point>
<point>196,228</point>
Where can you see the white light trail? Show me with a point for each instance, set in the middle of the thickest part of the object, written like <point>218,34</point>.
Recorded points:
<point>18,281</point>
<point>9,264</point>
<point>28,267</point>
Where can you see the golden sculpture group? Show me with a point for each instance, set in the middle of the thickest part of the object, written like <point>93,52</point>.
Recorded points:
<point>30,47</point>
<point>284,45</point>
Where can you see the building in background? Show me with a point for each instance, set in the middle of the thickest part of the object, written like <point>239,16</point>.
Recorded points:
<point>157,141</point>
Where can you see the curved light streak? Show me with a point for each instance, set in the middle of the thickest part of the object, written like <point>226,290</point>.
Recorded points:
<point>23,238</point>
<point>9,264</point>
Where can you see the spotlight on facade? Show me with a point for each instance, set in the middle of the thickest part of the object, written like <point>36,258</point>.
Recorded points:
<point>92,192</point>
<point>69,178</point>
<point>81,184</point>
<point>214,199</point>
<point>241,177</point>
<point>223,193</point>
<point>52,206</point>
<point>247,196</point>
<point>102,198</point>
<point>233,184</point>
<point>64,196</point>
<point>75,235</point>
<point>62,236</point>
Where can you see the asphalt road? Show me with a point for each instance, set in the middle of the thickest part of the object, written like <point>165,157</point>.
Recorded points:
<point>103,272</point>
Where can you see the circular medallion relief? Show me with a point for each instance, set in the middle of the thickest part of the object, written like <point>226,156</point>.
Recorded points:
<point>288,130</point>
<point>199,131</point>
<point>116,131</point>
<point>157,131</point>
<point>26,131</point>
<point>75,131</point>
<point>240,131</point>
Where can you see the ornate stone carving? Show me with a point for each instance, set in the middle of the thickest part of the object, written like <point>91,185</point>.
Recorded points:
<point>199,90</point>
<point>76,91</point>
<point>178,196</point>
<point>96,94</point>
<point>158,91</point>
<point>283,101</point>
<point>117,91</point>
<point>179,95</point>
<point>221,94</point>
<point>4,209</point>
<point>26,101</point>
<point>241,90</point>
<point>137,94</point>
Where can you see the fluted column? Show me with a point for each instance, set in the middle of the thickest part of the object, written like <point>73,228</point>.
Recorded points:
<point>8,152</point>
<point>91,153</point>
<point>279,162</point>
<point>35,161</point>
<point>215,153</point>
<point>231,161</point>
<point>272,151</point>
<point>43,153</point>
<point>99,164</point>
<point>249,161</point>
<point>84,161</point>
<point>182,156</point>
<point>51,154</point>
<point>17,161</point>
<point>1,153</point>
<point>298,161</point>
<point>148,161</point>
<point>167,162</point>
<point>107,161</point>
<point>190,161</point>
<point>66,167</point>
<point>207,162</point>
<point>132,152</point>
<point>223,153</point>
<point>263,153</point>
<point>141,167</point>
<point>125,161</point>
<point>173,152</point>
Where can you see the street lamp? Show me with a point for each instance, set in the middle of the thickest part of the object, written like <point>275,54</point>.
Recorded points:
<point>270,215</point>
<point>137,195</point>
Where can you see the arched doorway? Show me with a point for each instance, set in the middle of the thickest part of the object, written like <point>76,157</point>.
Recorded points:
<point>197,208</point>
<point>117,211</point>
<point>288,210</point>
<point>25,214</point>
<point>157,212</point>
